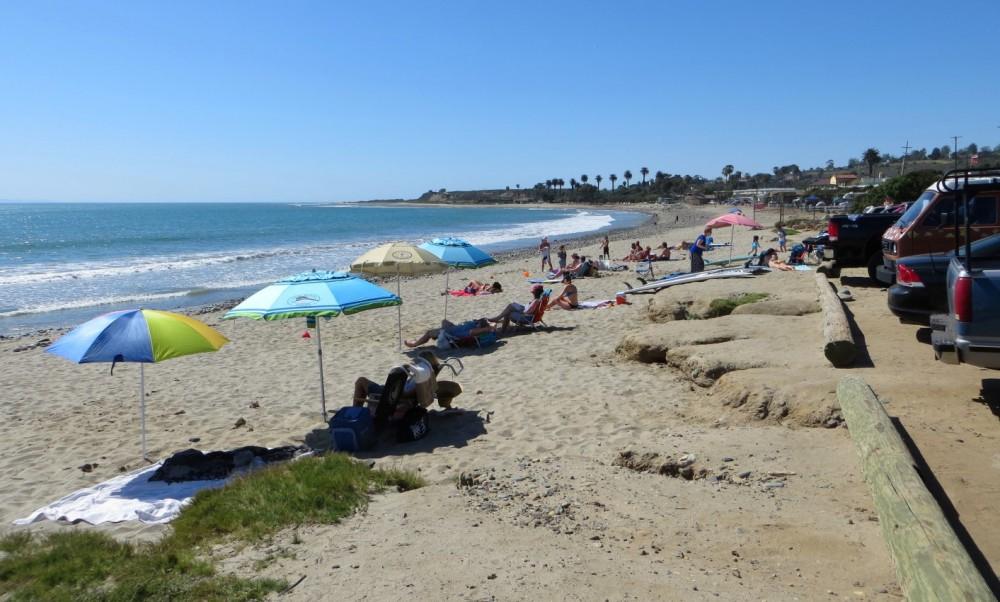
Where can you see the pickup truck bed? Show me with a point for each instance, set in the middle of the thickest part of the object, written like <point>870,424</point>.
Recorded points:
<point>856,240</point>
<point>971,332</point>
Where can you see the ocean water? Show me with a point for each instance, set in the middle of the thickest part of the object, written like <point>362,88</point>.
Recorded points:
<point>61,263</point>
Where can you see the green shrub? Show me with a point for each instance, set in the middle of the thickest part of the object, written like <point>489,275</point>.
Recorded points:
<point>726,305</point>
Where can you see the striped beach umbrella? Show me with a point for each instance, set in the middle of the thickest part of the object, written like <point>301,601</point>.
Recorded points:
<point>144,336</point>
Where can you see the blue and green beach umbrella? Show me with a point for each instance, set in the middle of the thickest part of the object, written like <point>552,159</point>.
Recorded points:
<point>457,253</point>
<point>314,295</point>
<point>137,335</point>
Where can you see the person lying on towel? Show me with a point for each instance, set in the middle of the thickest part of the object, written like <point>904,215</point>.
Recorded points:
<point>470,328</point>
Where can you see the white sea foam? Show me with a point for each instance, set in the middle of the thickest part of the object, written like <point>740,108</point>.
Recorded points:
<point>584,221</point>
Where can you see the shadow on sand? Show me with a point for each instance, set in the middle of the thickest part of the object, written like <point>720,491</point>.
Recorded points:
<point>949,511</point>
<point>448,428</point>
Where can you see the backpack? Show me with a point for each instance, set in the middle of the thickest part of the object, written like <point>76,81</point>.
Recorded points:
<point>414,425</point>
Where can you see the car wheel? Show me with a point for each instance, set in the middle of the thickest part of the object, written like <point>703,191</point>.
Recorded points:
<point>873,262</point>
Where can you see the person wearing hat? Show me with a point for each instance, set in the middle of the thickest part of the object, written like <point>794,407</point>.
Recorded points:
<point>518,313</point>
<point>569,297</point>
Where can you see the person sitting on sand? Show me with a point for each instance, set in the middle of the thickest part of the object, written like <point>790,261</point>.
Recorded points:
<point>583,270</point>
<point>664,253</point>
<point>631,253</point>
<point>569,269</point>
<point>470,328</point>
<point>518,313</point>
<point>569,297</point>
<point>769,259</point>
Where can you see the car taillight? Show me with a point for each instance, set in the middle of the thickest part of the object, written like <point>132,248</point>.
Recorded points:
<point>833,231</point>
<point>907,276</point>
<point>963,298</point>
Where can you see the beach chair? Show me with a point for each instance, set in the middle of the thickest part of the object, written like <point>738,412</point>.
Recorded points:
<point>536,318</point>
<point>644,269</point>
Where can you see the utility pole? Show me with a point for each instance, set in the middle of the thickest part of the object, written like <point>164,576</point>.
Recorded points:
<point>955,150</point>
<point>906,151</point>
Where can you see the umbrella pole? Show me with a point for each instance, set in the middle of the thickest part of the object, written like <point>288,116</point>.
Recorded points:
<point>142,408</point>
<point>446,294</point>
<point>732,234</point>
<point>319,354</point>
<point>399,311</point>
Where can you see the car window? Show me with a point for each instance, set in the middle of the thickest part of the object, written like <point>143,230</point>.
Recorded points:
<point>935,216</point>
<point>982,210</point>
<point>911,214</point>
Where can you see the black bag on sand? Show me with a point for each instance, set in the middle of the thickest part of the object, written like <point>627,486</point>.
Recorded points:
<point>414,425</point>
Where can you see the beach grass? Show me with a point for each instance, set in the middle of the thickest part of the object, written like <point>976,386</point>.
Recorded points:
<point>726,305</point>
<point>85,564</point>
<point>318,490</point>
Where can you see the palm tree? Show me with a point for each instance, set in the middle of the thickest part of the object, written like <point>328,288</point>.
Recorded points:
<point>645,172</point>
<point>548,184</point>
<point>572,183</point>
<point>728,171</point>
<point>872,158</point>
<point>584,178</point>
<point>627,176</point>
<point>598,178</point>
<point>613,179</point>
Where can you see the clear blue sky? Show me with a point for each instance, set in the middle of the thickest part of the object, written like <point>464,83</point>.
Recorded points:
<point>316,101</point>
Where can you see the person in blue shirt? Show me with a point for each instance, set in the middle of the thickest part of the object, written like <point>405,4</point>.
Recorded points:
<point>755,246</point>
<point>696,250</point>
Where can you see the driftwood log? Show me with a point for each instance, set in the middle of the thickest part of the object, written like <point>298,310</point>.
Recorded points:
<point>931,562</point>
<point>838,346</point>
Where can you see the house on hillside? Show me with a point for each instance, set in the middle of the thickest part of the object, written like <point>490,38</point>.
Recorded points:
<point>843,179</point>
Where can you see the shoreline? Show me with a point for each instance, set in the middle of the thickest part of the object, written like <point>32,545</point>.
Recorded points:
<point>545,417</point>
<point>508,255</point>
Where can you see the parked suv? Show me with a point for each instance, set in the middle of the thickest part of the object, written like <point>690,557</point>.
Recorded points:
<point>930,225</point>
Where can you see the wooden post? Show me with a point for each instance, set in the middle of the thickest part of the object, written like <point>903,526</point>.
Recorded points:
<point>931,562</point>
<point>839,345</point>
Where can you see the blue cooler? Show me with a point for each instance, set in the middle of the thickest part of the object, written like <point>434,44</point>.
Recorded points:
<point>352,429</point>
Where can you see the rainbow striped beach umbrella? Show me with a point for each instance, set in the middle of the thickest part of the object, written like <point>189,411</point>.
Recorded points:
<point>137,335</point>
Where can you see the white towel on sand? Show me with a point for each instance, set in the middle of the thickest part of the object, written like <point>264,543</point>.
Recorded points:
<point>129,496</point>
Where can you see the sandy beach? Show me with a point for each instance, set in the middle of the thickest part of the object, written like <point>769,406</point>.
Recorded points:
<point>530,494</point>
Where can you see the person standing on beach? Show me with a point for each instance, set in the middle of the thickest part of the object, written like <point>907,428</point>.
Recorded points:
<point>545,249</point>
<point>607,248</point>
<point>562,256</point>
<point>782,238</point>
<point>696,250</point>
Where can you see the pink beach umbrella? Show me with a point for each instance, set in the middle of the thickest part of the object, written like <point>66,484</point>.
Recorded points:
<point>731,220</point>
